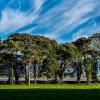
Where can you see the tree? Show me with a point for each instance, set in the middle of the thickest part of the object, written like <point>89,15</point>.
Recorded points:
<point>28,60</point>
<point>95,52</point>
<point>70,53</point>
<point>94,70</point>
<point>1,48</point>
<point>35,70</point>
<point>34,48</point>
<point>9,46</point>
<point>54,67</point>
<point>35,63</point>
<point>1,41</point>
<point>88,65</point>
<point>83,45</point>
<point>78,66</point>
<point>13,47</point>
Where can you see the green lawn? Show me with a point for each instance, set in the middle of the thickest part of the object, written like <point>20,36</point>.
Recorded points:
<point>50,92</point>
<point>52,86</point>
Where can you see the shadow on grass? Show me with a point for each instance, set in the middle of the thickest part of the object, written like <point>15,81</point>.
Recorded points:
<point>49,94</point>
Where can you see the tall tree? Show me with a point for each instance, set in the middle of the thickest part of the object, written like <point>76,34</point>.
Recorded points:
<point>88,65</point>
<point>12,48</point>
<point>83,45</point>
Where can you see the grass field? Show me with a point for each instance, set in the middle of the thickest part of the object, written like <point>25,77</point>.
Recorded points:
<point>50,92</point>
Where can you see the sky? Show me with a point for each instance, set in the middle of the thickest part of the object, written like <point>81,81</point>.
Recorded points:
<point>63,20</point>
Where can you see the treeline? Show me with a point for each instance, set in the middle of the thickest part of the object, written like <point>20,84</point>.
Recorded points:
<point>48,57</point>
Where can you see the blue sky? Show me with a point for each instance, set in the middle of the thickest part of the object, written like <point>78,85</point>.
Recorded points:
<point>63,20</point>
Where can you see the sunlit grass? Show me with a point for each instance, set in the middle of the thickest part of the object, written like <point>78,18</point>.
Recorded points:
<point>52,86</point>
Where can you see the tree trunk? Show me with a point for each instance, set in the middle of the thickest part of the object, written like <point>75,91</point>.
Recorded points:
<point>88,74</point>
<point>26,73</point>
<point>16,76</point>
<point>94,71</point>
<point>10,80</point>
<point>16,71</point>
<point>35,74</point>
<point>12,76</point>
<point>79,72</point>
<point>29,73</point>
<point>94,76</point>
<point>88,78</point>
<point>78,77</point>
<point>35,77</point>
<point>55,73</point>
<point>61,77</point>
<point>88,64</point>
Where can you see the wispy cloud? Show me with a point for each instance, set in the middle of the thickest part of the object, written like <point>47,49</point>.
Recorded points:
<point>60,19</point>
<point>38,4</point>
<point>13,19</point>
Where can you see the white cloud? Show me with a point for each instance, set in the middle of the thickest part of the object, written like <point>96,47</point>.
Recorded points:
<point>38,4</point>
<point>59,20</point>
<point>62,18</point>
<point>85,32</point>
<point>30,30</point>
<point>78,35</point>
<point>11,21</point>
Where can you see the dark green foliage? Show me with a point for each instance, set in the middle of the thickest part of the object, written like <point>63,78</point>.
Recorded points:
<point>35,48</point>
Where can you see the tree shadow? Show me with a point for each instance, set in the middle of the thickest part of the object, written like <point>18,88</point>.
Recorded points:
<point>49,94</point>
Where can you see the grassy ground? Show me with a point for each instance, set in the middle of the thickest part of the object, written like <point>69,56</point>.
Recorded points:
<point>50,92</point>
